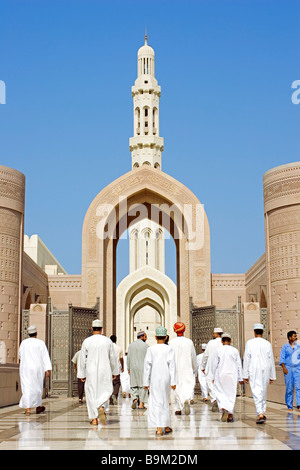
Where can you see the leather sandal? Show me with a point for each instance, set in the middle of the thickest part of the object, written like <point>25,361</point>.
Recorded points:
<point>134,404</point>
<point>261,420</point>
<point>102,415</point>
<point>40,409</point>
<point>167,430</point>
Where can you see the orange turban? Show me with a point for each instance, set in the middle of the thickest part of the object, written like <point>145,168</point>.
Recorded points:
<point>179,328</point>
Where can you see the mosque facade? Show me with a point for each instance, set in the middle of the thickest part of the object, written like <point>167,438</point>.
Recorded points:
<point>147,203</point>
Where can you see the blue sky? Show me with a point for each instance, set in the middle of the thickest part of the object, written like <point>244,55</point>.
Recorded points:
<point>226,115</point>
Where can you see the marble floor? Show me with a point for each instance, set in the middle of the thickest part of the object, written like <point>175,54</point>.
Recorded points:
<point>65,426</point>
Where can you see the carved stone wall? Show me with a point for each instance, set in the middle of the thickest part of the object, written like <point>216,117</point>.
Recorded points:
<point>64,290</point>
<point>226,288</point>
<point>12,195</point>
<point>282,227</point>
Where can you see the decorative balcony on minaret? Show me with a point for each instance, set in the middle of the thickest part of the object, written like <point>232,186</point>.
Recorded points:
<point>146,145</point>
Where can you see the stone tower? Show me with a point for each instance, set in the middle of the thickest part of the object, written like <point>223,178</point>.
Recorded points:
<point>146,145</point>
<point>282,232</point>
<point>147,245</point>
<point>12,203</point>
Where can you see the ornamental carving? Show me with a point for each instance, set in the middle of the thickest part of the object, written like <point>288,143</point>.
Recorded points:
<point>279,189</point>
<point>91,287</point>
<point>199,284</point>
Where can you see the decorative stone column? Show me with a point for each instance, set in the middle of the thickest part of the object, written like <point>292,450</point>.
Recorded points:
<point>282,231</point>
<point>12,198</point>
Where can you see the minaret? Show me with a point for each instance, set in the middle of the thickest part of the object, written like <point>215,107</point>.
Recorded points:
<point>146,145</point>
<point>146,246</point>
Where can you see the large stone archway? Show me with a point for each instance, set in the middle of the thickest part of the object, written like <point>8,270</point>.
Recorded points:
<point>145,193</point>
<point>145,286</point>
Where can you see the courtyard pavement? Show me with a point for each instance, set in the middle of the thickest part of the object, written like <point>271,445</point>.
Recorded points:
<point>65,426</point>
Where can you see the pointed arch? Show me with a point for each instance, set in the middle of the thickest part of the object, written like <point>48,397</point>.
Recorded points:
<point>145,193</point>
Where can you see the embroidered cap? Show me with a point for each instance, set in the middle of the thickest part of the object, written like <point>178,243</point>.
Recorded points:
<point>161,331</point>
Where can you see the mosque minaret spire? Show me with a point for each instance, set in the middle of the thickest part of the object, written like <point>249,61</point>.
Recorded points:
<point>146,145</point>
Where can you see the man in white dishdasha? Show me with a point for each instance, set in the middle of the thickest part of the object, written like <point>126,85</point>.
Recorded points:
<point>97,366</point>
<point>160,378</point>
<point>34,365</point>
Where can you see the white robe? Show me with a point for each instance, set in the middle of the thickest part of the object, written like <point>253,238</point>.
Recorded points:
<point>97,363</point>
<point>259,368</point>
<point>227,372</point>
<point>202,377</point>
<point>35,361</point>
<point>124,377</point>
<point>207,364</point>
<point>186,365</point>
<point>159,374</point>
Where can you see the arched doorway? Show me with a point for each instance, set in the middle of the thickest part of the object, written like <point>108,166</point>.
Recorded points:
<point>145,193</point>
<point>144,287</point>
<point>146,317</point>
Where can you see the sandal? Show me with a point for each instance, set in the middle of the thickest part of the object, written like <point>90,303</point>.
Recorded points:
<point>40,409</point>
<point>102,415</point>
<point>134,403</point>
<point>261,420</point>
<point>167,430</point>
<point>224,416</point>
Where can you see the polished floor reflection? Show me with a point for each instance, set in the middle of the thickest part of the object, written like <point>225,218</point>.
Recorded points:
<point>65,425</point>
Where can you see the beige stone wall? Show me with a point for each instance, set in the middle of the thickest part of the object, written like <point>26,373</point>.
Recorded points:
<point>256,295</point>
<point>226,288</point>
<point>35,295</point>
<point>34,283</point>
<point>65,289</point>
<point>40,253</point>
<point>10,385</point>
<point>251,311</point>
<point>256,282</point>
<point>282,229</point>
<point>12,197</point>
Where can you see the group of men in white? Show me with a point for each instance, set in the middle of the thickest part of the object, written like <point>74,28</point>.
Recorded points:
<point>155,372</point>
<point>221,369</point>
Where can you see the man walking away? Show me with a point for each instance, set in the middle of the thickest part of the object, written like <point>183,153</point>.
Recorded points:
<point>80,384</point>
<point>135,365</point>
<point>227,372</point>
<point>207,364</point>
<point>186,365</point>
<point>96,367</point>
<point>117,379</point>
<point>259,370</point>
<point>201,375</point>
<point>160,377</point>
<point>34,364</point>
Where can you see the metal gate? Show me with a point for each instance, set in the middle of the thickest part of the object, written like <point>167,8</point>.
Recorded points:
<point>205,319</point>
<point>67,330</point>
<point>203,323</point>
<point>58,345</point>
